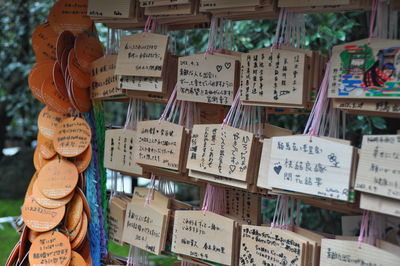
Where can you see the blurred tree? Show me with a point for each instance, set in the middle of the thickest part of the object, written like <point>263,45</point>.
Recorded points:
<point>18,108</point>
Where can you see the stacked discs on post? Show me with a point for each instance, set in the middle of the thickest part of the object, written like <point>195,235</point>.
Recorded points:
<point>55,208</point>
<point>55,211</point>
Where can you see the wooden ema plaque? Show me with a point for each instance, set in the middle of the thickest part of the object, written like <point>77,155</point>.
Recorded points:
<point>365,69</point>
<point>221,151</point>
<point>310,165</point>
<point>142,54</point>
<point>116,219</point>
<point>261,245</point>
<point>137,86</point>
<point>243,206</point>
<point>104,83</point>
<point>161,144</point>
<point>207,78</point>
<point>380,204</point>
<point>116,9</point>
<point>204,235</point>
<point>119,151</point>
<point>145,227</point>
<point>345,252</point>
<point>379,166</point>
<point>388,108</point>
<point>274,77</point>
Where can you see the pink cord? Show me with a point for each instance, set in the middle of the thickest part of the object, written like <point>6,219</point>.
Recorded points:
<point>314,121</point>
<point>214,200</point>
<point>373,18</point>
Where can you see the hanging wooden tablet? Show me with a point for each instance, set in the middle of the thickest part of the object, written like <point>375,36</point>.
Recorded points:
<point>344,252</point>
<point>142,54</point>
<point>114,9</point>
<point>197,175</point>
<point>239,10</point>
<point>274,77</point>
<point>119,148</point>
<point>205,235</point>
<point>380,204</point>
<point>207,78</point>
<point>145,227</point>
<point>104,83</point>
<point>222,151</point>
<point>243,206</point>
<point>161,144</point>
<point>379,166</point>
<point>116,219</point>
<point>156,85</point>
<point>365,69</point>
<point>385,108</point>
<point>261,245</point>
<point>311,165</point>
<point>315,6</point>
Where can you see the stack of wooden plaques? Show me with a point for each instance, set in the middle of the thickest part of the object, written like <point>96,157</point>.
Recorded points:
<point>320,6</point>
<point>206,236</point>
<point>144,67</point>
<point>208,78</point>
<point>161,144</point>
<point>262,245</point>
<point>119,151</point>
<point>378,174</point>
<point>104,82</point>
<point>116,218</point>
<point>146,224</point>
<point>55,198</point>
<point>176,14</point>
<point>322,167</point>
<point>240,10</point>
<point>120,14</point>
<point>285,77</point>
<point>364,77</point>
<point>223,155</point>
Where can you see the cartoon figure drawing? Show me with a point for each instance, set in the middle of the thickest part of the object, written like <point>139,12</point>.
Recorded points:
<point>375,75</point>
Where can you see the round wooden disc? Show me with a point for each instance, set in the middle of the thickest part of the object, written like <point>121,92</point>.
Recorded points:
<point>32,235</point>
<point>48,121</point>
<point>49,203</point>
<point>40,219</point>
<point>53,98</point>
<point>74,212</point>
<point>37,75</point>
<point>70,15</point>
<point>74,232</point>
<point>82,161</point>
<point>57,179</point>
<point>51,248</point>
<point>82,233</point>
<point>24,243</point>
<point>64,62</point>
<point>85,203</point>
<point>77,260</point>
<point>88,48</point>
<point>44,42</point>
<point>59,81</point>
<point>81,98</point>
<point>72,137</point>
<point>65,41</point>
<point>29,191</point>
<point>45,146</point>
<point>70,94</point>
<point>81,78</point>
<point>85,252</point>
<point>38,160</point>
